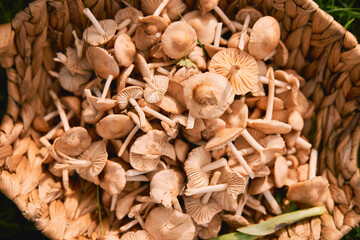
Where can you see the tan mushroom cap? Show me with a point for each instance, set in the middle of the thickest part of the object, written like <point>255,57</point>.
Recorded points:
<point>138,235</point>
<point>165,186</point>
<point>269,127</point>
<point>280,171</point>
<point>260,185</point>
<point>155,92</point>
<point>102,105</point>
<point>93,37</point>
<point>238,66</point>
<point>313,191</point>
<point>73,142</point>
<point>212,127</point>
<point>146,151</point>
<point>248,10</point>
<point>290,97</point>
<point>212,50</point>
<point>208,95</point>
<point>165,224</point>
<point>171,105</point>
<point>144,41</point>
<point>76,65</point>
<point>128,13</point>
<point>204,25</point>
<point>221,137</point>
<point>102,62</point>
<point>235,220</point>
<point>239,116</point>
<point>264,37</point>
<point>282,55</point>
<point>71,82</point>
<point>114,126</point>
<point>173,8</point>
<point>135,118</point>
<point>72,103</point>
<point>194,135</point>
<point>154,24</point>
<point>112,178</point>
<point>197,158</point>
<point>124,50</point>
<point>199,212</point>
<point>178,40</point>
<point>212,229</point>
<point>123,96</point>
<point>207,5</point>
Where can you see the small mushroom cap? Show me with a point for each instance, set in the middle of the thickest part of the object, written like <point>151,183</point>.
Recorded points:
<point>260,185</point>
<point>282,55</point>
<point>207,5</point>
<point>197,158</point>
<point>112,179</point>
<point>238,66</point>
<point>173,8</point>
<point>93,37</point>
<point>114,126</point>
<point>221,137</point>
<point>199,212</point>
<point>124,50</point>
<point>161,83</point>
<point>194,135</point>
<point>73,142</point>
<point>144,41</point>
<point>263,100</point>
<point>102,105</point>
<point>128,13</point>
<point>97,154</point>
<point>264,37</point>
<point>313,192</point>
<point>123,96</point>
<point>102,62</point>
<point>204,25</point>
<point>166,185</point>
<point>71,82</point>
<point>178,40</point>
<point>212,127</point>
<point>255,15</point>
<point>72,103</point>
<point>212,50</point>
<point>171,105</point>
<point>138,235</point>
<point>235,220</point>
<point>154,24</point>
<point>208,95</point>
<point>135,118</point>
<point>280,171</point>
<point>269,127</point>
<point>165,224</point>
<point>239,116</point>
<point>76,65</point>
<point>212,229</point>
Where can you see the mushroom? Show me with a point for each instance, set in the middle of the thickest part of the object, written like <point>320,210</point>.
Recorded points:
<point>280,171</point>
<point>69,81</point>
<point>101,32</point>
<point>169,9</point>
<point>73,63</point>
<point>138,235</point>
<point>124,50</point>
<point>102,62</point>
<point>121,125</point>
<point>238,116</point>
<point>128,95</point>
<point>156,88</point>
<point>178,40</point>
<point>211,229</point>
<point>135,212</point>
<point>238,66</point>
<point>204,25</point>
<point>154,24</point>
<point>166,223</point>
<point>198,57</point>
<point>146,151</point>
<point>241,15</point>
<point>126,16</point>
<point>158,115</point>
<point>124,204</point>
<point>264,37</point>
<point>289,94</point>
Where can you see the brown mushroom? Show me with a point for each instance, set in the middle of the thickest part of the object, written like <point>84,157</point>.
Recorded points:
<point>102,62</point>
<point>211,229</point>
<point>69,81</point>
<point>124,50</point>
<point>204,25</point>
<point>156,88</point>
<point>127,16</point>
<point>255,15</point>
<point>169,9</point>
<point>138,235</point>
<point>72,62</point>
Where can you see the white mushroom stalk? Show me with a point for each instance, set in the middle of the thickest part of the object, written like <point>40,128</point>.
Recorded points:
<point>190,121</point>
<point>225,19</point>
<point>135,82</point>
<point>302,143</point>
<point>94,21</point>
<point>251,140</point>
<point>270,55</point>
<point>124,24</point>
<point>131,224</point>
<point>215,178</point>
<point>160,8</point>
<point>241,159</point>
<point>217,34</point>
<point>271,95</point>
<point>277,83</point>
<point>132,29</point>
<point>51,115</point>
<point>206,189</point>
<point>214,165</point>
<point>163,71</point>
<point>176,204</point>
<point>133,173</point>
<point>79,43</point>
<point>128,139</point>
<point>246,151</point>
<point>72,163</point>
<point>139,110</point>
<point>106,87</point>
<point>159,116</point>
<point>313,163</point>
<point>242,201</point>
<point>62,113</point>
<point>139,178</point>
<point>51,133</point>
<point>243,32</point>
<point>272,201</point>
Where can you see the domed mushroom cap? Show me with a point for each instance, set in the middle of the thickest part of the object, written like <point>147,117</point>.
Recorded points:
<point>254,15</point>
<point>204,25</point>
<point>239,116</point>
<point>173,8</point>
<point>154,92</point>
<point>178,39</point>
<point>221,137</point>
<point>144,41</point>
<point>260,185</point>
<point>269,127</point>
<point>207,5</point>
<point>93,37</point>
<point>197,158</point>
<point>124,50</point>
<point>199,212</point>
<point>114,126</point>
<point>71,82</point>
<point>280,171</point>
<point>101,105</point>
<point>165,224</point>
<point>138,235</point>
<point>212,229</point>
<point>123,96</point>
<point>128,13</point>
<point>146,151</point>
<point>73,142</point>
<point>264,37</point>
<point>113,178</point>
<point>238,66</point>
<point>208,95</point>
<point>102,62</point>
<point>74,64</point>
<point>165,186</point>
<point>154,24</point>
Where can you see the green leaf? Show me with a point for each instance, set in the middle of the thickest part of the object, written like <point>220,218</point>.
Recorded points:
<point>185,62</point>
<point>348,23</point>
<point>235,236</point>
<point>272,225</point>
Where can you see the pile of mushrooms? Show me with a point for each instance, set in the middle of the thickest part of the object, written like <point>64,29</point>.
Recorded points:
<point>180,150</point>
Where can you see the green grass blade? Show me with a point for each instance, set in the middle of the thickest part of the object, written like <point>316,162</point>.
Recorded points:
<point>235,236</point>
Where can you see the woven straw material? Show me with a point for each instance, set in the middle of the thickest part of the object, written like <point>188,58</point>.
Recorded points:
<point>320,50</point>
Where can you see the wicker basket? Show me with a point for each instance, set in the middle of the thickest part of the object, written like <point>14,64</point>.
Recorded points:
<point>320,50</point>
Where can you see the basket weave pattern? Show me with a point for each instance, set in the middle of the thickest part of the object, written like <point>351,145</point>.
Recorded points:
<point>320,50</point>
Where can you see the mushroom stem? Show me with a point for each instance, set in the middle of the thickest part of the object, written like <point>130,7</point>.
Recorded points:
<point>239,27</point>
<point>79,45</point>
<point>88,95</point>
<point>133,173</point>
<point>214,165</point>
<point>247,151</point>
<point>127,140</point>
<point>124,24</point>
<point>255,204</point>
<point>302,143</point>
<point>225,19</point>
<point>138,109</point>
<point>176,204</point>
<point>160,8</point>
<point>97,92</point>
<point>163,118</point>
<point>54,74</point>
<point>206,189</point>
<point>313,163</point>
<point>113,202</point>
<point>51,133</point>
<point>281,90</point>
<point>92,18</point>
<point>163,71</point>
<point>241,159</point>
<point>140,178</point>
<point>215,178</point>
<point>270,103</point>
<point>126,3</point>
<point>62,113</point>
<point>271,200</point>
<point>129,225</point>
<point>251,140</point>
<point>190,121</point>
<point>217,34</point>
<point>135,82</point>
<point>243,32</point>
<point>106,87</point>
<point>141,221</point>
<point>277,83</point>
<point>270,55</point>
<point>51,115</point>
<point>241,204</point>
<point>132,29</point>
<point>60,57</point>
